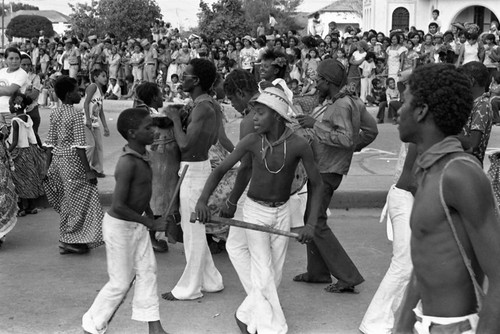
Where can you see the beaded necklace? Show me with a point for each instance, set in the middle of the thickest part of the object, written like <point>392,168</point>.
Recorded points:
<point>284,158</point>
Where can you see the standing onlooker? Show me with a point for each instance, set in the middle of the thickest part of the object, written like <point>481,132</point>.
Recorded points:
<point>71,184</point>
<point>471,50</point>
<point>150,61</point>
<point>366,72</point>
<point>114,62</point>
<point>394,56</point>
<point>13,78</point>
<point>261,30</point>
<point>476,132</point>
<point>33,89</point>
<point>137,62</point>
<point>26,154</point>
<point>491,56</point>
<point>94,111</point>
<point>248,55</point>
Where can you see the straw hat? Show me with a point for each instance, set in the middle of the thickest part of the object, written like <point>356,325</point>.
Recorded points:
<point>275,99</point>
<point>144,42</point>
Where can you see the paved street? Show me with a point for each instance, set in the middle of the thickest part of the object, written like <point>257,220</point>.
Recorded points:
<point>44,292</point>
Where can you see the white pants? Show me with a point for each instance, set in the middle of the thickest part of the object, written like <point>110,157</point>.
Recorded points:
<point>261,310</point>
<point>95,150</point>
<point>379,318</point>
<point>237,248</point>
<point>427,324</point>
<point>364,88</point>
<point>73,71</point>
<point>128,253</point>
<point>137,73</point>
<point>200,273</point>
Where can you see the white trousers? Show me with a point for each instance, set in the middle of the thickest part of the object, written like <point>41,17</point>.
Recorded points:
<point>137,73</point>
<point>95,150</point>
<point>261,310</point>
<point>379,318</point>
<point>428,324</point>
<point>128,253</point>
<point>200,273</point>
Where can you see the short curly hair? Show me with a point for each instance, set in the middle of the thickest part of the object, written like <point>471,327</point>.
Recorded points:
<point>447,93</point>
<point>240,79</point>
<point>205,70</point>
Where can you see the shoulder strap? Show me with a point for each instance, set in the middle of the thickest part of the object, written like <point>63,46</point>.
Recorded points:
<point>477,287</point>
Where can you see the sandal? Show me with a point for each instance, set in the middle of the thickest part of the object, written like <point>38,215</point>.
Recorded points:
<point>21,213</point>
<point>32,211</point>
<point>336,288</point>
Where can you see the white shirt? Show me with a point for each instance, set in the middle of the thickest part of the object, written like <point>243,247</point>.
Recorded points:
<point>19,78</point>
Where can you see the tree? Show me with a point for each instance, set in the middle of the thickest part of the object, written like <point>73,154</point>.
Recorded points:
<point>84,20</point>
<point>226,20</point>
<point>258,11</point>
<point>129,18</point>
<point>29,26</point>
<point>16,6</point>
<point>124,18</point>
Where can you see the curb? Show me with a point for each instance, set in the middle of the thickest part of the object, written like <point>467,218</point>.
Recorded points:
<point>341,199</point>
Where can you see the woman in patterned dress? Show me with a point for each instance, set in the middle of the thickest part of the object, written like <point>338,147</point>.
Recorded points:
<point>8,197</point>
<point>71,185</point>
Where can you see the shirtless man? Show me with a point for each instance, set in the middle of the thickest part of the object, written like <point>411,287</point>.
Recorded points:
<point>240,87</point>
<point>437,104</point>
<point>200,273</point>
<point>275,153</point>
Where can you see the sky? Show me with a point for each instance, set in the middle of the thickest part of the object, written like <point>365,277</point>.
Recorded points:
<point>178,12</point>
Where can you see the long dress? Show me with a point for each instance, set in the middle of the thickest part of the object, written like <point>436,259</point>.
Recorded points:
<point>28,161</point>
<point>8,196</point>
<point>70,194</point>
<point>393,61</point>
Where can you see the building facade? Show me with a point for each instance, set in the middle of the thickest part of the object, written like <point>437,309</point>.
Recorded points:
<point>385,15</point>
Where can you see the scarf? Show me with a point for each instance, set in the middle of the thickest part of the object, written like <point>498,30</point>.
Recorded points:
<point>427,159</point>
<point>268,146</point>
<point>145,157</point>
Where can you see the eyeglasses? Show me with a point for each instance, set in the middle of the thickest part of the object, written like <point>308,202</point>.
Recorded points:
<point>184,76</point>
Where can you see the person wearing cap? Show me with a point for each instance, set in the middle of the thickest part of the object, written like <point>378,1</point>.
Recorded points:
<point>95,55</point>
<point>150,61</point>
<point>275,151</point>
<point>201,132</point>
<point>70,59</point>
<point>345,127</point>
<point>248,54</point>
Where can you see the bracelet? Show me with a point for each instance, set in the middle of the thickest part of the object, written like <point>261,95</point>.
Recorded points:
<point>228,202</point>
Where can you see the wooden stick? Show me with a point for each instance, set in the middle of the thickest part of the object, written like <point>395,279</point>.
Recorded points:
<point>249,226</point>
<point>176,190</point>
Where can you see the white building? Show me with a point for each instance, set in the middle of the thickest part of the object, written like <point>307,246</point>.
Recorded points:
<point>342,14</point>
<point>385,15</point>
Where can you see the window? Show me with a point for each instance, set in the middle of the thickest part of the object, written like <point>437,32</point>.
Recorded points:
<point>400,18</point>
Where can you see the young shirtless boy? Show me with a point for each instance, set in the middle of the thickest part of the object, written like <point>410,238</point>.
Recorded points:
<point>275,152</point>
<point>125,227</point>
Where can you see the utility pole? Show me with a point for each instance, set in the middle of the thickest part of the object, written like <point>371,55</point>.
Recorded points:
<point>3,28</point>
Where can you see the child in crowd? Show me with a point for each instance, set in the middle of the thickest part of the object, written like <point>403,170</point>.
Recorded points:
<point>114,90</point>
<point>380,70</point>
<point>293,85</point>
<point>392,96</point>
<point>367,72</point>
<point>181,96</point>
<point>311,63</point>
<point>377,95</point>
<point>27,155</point>
<point>137,62</point>
<point>168,95</point>
<point>341,57</point>
<point>436,20</point>
<point>494,90</point>
<point>174,82</point>
<point>125,227</point>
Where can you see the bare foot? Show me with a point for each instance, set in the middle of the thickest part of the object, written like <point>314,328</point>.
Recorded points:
<point>156,328</point>
<point>169,296</point>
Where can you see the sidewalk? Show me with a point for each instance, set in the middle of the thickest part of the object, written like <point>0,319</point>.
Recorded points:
<point>364,186</point>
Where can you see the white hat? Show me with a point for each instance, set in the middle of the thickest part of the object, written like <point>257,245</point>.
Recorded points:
<point>91,37</point>
<point>275,99</point>
<point>144,42</point>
